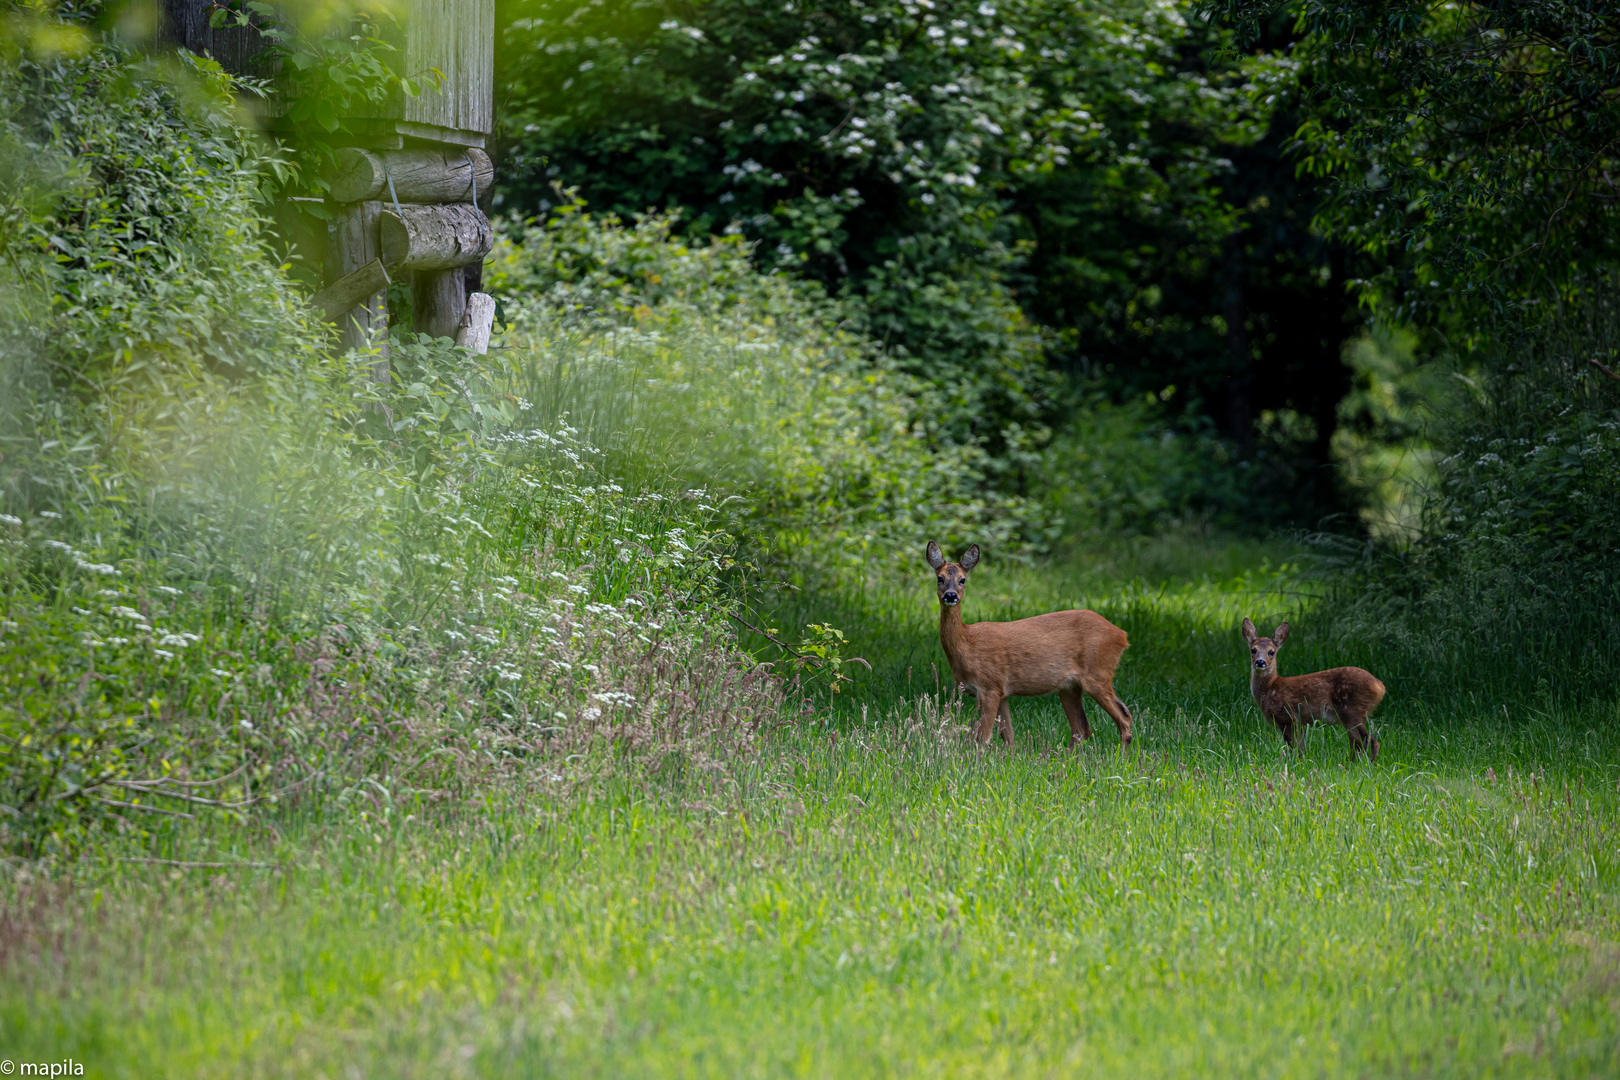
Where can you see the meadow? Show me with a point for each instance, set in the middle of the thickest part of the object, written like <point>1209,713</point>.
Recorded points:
<point>869,893</point>
<point>423,726</point>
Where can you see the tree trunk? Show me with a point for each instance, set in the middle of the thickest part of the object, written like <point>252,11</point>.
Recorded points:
<point>1240,379</point>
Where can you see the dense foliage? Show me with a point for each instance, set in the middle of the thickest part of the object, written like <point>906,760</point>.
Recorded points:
<point>222,582</point>
<point>1472,146</point>
<point>1469,151</point>
<point>685,354</point>
<point>998,192</point>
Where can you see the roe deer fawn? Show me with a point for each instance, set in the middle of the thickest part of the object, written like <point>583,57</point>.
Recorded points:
<point>1294,702</point>
<point>1064,652</point>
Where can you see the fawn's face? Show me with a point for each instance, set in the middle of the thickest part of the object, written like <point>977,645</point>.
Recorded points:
<point>949,576</point>
<point>1263,650</point>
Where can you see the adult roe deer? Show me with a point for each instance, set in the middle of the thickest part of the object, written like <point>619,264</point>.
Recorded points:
<point>1293,702</point>
<point>1065,652</point>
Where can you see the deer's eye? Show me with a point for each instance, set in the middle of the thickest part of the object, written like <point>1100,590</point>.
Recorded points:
<point>942,581</point>
<point>1254,652</point>
<point>1271,652</point>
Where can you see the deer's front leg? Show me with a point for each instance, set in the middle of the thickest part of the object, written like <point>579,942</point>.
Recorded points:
<point>989,710</point>
<point>1004,715</point>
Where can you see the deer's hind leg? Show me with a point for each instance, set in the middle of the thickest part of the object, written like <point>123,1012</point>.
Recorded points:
<point>1074,707</point>
<point>1102,692</point>
<point>1361,739</point>
<point>1004,715</point>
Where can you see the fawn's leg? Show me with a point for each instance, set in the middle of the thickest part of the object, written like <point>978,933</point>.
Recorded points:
<point>1074,707</point>
<point>1104,695</point>
<point>989,706</point>
<point>1360,738</point>
<point>1005,716</point>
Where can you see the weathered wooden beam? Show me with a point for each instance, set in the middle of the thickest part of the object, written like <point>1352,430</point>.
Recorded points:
<point>434,237</point>
<point>420,176</point>
<point>351,289</point>
<point>351,244</point>
<point>438,301</point>
<point>477,323</point>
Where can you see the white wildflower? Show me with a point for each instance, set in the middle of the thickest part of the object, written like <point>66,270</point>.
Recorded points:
<point>7,519</point>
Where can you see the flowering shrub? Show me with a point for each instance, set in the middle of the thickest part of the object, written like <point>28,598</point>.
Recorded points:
<point>236,571</point>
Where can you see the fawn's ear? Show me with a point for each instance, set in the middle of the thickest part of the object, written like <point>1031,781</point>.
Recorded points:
<point>936,557</point>
<point>1279,635</point>
<point>971,558</point>
<point>1250,634</point>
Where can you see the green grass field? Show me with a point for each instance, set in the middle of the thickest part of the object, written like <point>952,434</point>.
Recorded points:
<point>877,896</point>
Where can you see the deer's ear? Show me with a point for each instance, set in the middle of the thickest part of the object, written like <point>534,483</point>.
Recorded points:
<point>936,557</point>
<point>1280,635</point>
<point>1250,634</point>
<point>971,558</point>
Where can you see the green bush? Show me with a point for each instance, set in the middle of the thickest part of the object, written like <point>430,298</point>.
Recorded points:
<point>1512,585</point>
<point>663,351</point>
<point>235,570</point>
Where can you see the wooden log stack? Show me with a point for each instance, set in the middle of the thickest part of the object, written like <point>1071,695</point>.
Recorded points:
<point>416,210</point>
<point>405,186</point>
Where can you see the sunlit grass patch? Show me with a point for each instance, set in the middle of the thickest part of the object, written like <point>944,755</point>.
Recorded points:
<point>889,901</point>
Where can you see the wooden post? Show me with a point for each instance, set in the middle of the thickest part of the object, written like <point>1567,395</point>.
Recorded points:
<point>477,323</point>
<point>352,243</point>
<point>343,295</point>
<point>438,301</point>
<point>430,146</point>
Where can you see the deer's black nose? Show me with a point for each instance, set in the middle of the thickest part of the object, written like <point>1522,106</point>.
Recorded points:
<point>1261,664</point>
<point>950,597</point>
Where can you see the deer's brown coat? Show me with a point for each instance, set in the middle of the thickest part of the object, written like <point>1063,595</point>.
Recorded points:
<point>1345,695</point>
<point>1068,653</point>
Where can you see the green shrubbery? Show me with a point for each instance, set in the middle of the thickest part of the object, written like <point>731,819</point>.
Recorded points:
<point>236,569</point>
<point>1510,586</point>
<point>664,351</point>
